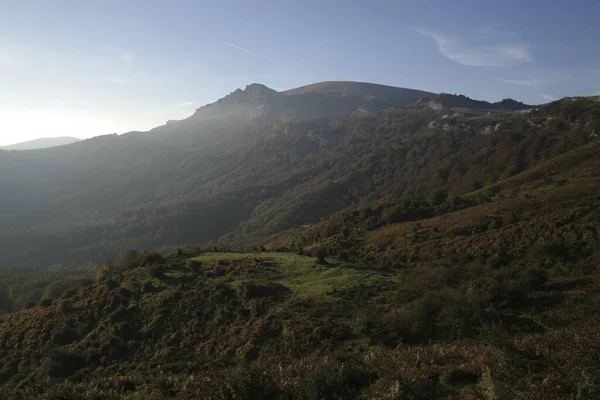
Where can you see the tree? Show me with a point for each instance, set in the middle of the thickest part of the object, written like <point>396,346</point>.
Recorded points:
<point>437,197</point>
<point>321,254</point>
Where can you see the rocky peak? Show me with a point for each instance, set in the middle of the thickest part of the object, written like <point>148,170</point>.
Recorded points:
<point>256,99</point>
<point>253,94</point>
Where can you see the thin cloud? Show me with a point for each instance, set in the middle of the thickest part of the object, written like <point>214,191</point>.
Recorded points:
<point>523,82</point>
<point>116,80</point>
<point>127,56</point>
<point>493,55</point>
<point>249,52</point>
<point>548,97</point>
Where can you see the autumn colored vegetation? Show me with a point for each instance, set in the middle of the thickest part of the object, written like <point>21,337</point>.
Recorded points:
<point>465,267</point>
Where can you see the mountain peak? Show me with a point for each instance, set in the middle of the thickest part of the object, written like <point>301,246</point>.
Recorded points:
<point>258,87</point>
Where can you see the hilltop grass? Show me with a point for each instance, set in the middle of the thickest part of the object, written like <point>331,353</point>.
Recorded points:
<point>302,275</point>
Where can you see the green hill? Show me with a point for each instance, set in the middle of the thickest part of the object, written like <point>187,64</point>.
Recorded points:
<point>497,299</point>
<point>492,293</point>
<point>90,201</point>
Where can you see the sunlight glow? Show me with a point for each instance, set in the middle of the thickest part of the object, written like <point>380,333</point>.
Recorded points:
<point>23,124</point>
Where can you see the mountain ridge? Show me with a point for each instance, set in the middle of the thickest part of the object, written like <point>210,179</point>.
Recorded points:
<point>446,100</point>
<point>42,143</point>
<point>244,181</point>
<point>216,121</point>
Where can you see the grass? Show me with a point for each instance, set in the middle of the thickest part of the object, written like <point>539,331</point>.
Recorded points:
<point>302,275</point>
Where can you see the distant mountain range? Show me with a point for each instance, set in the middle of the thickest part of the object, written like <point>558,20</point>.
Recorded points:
<point>41,143</point>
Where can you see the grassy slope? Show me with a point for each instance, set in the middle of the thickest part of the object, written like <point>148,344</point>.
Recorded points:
<point>276,325</point>
<point>305,279</point>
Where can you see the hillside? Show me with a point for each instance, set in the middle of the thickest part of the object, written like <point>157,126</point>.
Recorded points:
<point>413,252</point>
<point>489,295</point>
<point>228,117</point>
<point>445,100</point>
<point>41,143</point>
<point>94,199</point>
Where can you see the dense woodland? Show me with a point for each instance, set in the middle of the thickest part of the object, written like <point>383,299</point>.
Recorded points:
<point>414,252</point>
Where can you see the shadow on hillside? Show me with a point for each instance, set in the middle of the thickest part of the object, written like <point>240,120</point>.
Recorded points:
<point>362,268</point>
<point>541,302</point>
<point>569,285</point>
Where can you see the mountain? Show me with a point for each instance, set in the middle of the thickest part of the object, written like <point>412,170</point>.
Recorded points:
<point>220,121</point>
<point>445,100</point>
<point>41,143</point>
<point>251,178</point>
<point>492,294</point>
<point>445,248</point>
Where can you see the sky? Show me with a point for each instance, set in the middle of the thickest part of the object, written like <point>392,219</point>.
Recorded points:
<point>87,68</point>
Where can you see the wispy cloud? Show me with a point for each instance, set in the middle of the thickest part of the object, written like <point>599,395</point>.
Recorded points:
<point>127,56</point>
<point>116,80</point>
<point>524,82</point>
<point>249,51</point>
<point>487,55</point>
<point>548,97</point>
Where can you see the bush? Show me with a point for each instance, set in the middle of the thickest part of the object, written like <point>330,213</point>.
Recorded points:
<point>64,336</point>
<point>320,255</point>
<point>129,260</point>
<point>63,364</point>
<point>153,258</point>
<point>330,380</point>
<point>247,383</point>
<point>195,266</point>
<point>60,287</point>
<point>437,197</point>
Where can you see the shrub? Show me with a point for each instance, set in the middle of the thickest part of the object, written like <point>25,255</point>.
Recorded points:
<point>320,255</point>
<point>247,383</point>
<point>437,197</point>
<point>64,336</point>
<point>153,258</point>
<point>195,266</point>
<point>63,364</point>
<point>129,260</point>
<point>330,380</point>
<point>60,287</point>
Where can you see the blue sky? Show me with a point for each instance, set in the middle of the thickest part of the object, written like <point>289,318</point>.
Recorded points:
<point>84,68</point>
